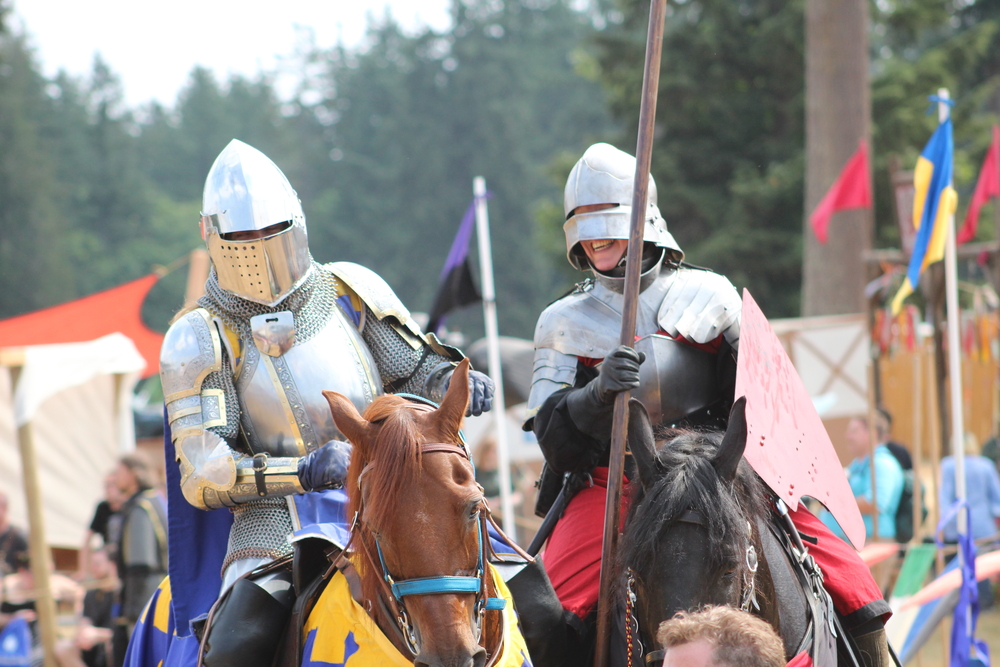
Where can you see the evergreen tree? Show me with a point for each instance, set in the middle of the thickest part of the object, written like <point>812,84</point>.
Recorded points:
<point>34,271</point>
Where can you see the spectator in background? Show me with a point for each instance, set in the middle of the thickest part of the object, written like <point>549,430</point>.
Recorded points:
<point>13,541</point>
<point>719,637</point>
<point>883,431</point>
<point>991,449</point>
<point>889,478</point>
<point>141,556</point>
<point>982,490</point>
<point>105,515</point>
<point>91,645</point>
<point>17,597</point>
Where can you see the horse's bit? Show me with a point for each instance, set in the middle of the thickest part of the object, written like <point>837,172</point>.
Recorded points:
<point>437,585</point>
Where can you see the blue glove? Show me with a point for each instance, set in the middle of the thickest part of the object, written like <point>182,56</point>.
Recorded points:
<point>480,393</point>
<point>326,467</point>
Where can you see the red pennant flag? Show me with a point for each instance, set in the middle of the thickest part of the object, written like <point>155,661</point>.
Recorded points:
<point>850,190</point>
<point>988,185</point>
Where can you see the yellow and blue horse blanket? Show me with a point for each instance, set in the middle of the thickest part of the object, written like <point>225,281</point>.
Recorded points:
<point>340,633</point>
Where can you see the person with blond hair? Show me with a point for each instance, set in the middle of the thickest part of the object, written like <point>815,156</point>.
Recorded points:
<point>719,637</point>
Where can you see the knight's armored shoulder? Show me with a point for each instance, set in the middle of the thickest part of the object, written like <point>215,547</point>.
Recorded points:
<point>375,293</point>
<point>580,325</point>
<point>191,350</point>
<point>378,296</point>
<point>701,305</point>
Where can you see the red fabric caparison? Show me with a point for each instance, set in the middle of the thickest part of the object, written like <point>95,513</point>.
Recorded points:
<point>572,556</point>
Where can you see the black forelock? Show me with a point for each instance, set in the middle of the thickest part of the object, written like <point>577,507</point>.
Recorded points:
<point>689,482</point>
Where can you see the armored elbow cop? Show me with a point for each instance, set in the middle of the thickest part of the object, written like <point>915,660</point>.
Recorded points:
<point>213,475</point>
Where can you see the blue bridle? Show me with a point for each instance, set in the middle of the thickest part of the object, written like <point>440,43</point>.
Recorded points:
<point>444,584</point>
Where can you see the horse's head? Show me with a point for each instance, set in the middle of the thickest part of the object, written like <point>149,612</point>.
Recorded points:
<point>690,537</point>
<point>419,510</point>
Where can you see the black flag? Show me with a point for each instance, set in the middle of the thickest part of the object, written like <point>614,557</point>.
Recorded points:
<point>456,288</point>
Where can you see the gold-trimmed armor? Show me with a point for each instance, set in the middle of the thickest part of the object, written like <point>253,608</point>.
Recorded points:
<point>279,409</point>
<point>243,386</point>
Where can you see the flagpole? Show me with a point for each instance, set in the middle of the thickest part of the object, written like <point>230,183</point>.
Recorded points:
<point>955,366</point>
<point>954,346</point>
<point>493,349</point>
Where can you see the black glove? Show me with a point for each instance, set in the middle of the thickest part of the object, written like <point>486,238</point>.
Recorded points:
<point>619,372</point>
<point>326,467</point>
<point>481,390</point>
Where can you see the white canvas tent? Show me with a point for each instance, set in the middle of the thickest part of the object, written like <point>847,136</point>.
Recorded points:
<point>77,399</point>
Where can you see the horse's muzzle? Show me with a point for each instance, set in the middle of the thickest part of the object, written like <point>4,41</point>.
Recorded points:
<point>477,659</point>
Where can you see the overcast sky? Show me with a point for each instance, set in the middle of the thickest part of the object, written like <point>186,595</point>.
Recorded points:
<point>153,46</point>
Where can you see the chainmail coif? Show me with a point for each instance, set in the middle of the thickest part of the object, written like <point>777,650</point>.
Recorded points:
<point>311,303</point>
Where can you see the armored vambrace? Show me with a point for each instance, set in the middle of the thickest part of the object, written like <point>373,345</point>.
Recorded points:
<point>213,475</point>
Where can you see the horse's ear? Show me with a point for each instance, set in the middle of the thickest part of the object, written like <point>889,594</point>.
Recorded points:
<point>456,399</point>
<point>349,421</point>
<point>734,442</point>
<point>642,444</point>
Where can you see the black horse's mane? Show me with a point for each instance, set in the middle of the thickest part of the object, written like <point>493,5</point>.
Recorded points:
<point>689,481</point>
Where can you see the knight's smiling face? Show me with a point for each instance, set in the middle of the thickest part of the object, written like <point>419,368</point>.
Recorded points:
<point>604,254</point>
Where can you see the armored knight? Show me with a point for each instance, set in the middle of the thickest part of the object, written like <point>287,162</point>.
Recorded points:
<point>243,372</point>
<point>682,368</point>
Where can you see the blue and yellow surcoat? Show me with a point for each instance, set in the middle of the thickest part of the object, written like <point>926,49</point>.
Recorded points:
<point>339,633</point>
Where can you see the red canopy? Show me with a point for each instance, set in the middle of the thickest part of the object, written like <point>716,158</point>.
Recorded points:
<point>115,310</point>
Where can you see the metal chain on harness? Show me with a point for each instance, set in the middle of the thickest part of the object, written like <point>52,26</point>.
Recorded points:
<point>631,622</point>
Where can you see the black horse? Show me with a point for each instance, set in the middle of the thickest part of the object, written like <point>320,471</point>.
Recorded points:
<point>702,530</point>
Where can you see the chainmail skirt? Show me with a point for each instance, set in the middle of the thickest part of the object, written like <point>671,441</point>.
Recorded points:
<point>260,530</point>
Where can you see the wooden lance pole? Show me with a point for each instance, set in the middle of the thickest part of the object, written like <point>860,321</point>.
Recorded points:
<point>616,466</point>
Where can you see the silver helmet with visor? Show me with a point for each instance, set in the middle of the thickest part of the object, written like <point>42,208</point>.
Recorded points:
<point>253,225</point>
<point>603,179</point>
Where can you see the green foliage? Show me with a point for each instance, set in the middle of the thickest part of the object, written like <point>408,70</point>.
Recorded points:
<point>382,143</point>
<point>34,270</point>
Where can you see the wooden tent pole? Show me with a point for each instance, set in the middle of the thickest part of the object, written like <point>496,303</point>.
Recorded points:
<point>872,444</point>
<point>934,440</point>
<point>38,550</point>
<point>918,416</point>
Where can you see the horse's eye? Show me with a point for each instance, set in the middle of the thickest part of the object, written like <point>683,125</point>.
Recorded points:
<point>729,574</point>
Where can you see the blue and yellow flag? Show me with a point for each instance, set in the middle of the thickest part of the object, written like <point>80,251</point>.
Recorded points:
<point>934,200</point>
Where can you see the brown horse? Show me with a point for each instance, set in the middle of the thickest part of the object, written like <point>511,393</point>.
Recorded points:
<point>420,519</point>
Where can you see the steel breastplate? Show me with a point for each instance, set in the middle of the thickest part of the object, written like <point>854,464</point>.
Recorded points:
<point>675,380</point>
<point>283,411</point>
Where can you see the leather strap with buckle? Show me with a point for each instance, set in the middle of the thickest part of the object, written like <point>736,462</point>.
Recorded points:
<point>259,466</point>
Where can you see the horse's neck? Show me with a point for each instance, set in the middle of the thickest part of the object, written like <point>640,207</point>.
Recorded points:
<point>782,600</point>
